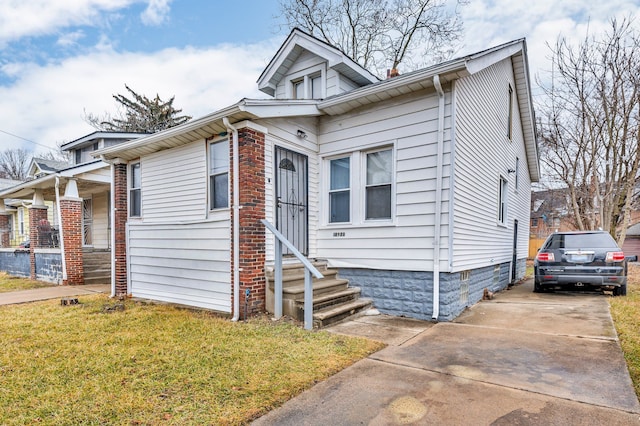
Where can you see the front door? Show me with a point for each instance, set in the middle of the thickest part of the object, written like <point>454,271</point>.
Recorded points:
<point>292,212</point>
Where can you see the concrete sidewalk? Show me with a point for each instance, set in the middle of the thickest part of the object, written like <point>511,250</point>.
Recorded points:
<point>520,359</point>
<point>45,293</point>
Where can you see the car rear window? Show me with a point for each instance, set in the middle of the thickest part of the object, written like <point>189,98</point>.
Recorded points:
<point>584,241</point>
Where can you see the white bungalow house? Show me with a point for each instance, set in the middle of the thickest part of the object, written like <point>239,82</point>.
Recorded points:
<point>63,211</point>
<point>415,189</point>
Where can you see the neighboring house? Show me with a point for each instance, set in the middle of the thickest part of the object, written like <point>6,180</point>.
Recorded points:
<point>550,211</point>
<point>417,188</point>
<point>73,197</point>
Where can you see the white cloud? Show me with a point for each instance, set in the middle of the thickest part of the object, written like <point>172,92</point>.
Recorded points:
<point>70,39</point>
<point>46,104</point>
<point>44,17</point>
<point>156,12</point>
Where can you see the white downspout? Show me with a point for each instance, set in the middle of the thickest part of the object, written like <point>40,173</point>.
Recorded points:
<point>236,220</point>
<point>60,233</point>
<point>112,218</point>
<point>438,206</point>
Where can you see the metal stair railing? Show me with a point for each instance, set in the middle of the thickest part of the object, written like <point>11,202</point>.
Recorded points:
<point>308,280</point>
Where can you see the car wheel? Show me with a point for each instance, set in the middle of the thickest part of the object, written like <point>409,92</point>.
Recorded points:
<point>620,291</point>
<point>537,288</point>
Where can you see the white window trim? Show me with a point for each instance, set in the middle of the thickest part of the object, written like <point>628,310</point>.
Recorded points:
<point>363,196</point>
<point>327,162</point>
<point>503,200</point>
<point>306,75</point>
<point>510,113</point>
<point>358,181</point>
<point>130,188</point>
<point>209,174</point>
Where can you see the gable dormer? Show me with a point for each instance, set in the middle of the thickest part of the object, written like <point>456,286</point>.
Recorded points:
<point>81,150</point>
<point>307,68</point>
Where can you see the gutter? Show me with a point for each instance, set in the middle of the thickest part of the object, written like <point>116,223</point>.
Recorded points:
<point>60,232</point>
<point>236,220</point>
<point>438,206</point>
<point>112,218</point>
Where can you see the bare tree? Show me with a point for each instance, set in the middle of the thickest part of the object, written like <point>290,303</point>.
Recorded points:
<point>381,34</point>
<point>589,126</point>
<point>14,163</point>
<point>139,114</point>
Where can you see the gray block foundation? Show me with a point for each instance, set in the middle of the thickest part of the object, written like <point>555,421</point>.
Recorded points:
<point>410,293</point>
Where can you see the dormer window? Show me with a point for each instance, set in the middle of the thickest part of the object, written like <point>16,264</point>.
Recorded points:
<point>307,85</point>
<point>84,154</point>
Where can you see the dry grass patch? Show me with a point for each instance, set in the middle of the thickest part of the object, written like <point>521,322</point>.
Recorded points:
<point>152,364</point>
<point>626,316</point>
<point>10,283</point>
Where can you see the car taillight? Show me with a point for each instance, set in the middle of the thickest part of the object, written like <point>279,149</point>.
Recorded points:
<point>545,257</point>
<point>615,256</point>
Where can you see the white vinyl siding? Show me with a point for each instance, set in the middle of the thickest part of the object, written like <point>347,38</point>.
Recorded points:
<point>410,124</point>
<point>483,151</point>
<point>186,263</point>
<point>175,184</point>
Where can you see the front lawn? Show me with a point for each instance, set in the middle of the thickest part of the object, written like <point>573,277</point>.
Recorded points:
<point>94,363</point>
<point>9,283</point>
<point>626,316</point>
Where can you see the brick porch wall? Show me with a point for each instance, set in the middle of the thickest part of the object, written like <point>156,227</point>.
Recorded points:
<point>120,216</point>
<point>71,213</point>
<point>251,146</point>
<point>36,214</point>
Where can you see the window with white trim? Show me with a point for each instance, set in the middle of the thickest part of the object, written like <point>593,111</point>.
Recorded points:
<point>219,175</point>
<point>378,184</point>
<point>135,188</point>
<point>502,200</point>
<point>517,171</point>
<point>340,190</point>
<point>360,187</point>
<point>307,84</point>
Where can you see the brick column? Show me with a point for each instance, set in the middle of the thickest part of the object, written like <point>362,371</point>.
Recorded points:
<point>36,214</point>
<point>251,150</point>
<point>4,229</point>
<point>120,216</point>
<point>71,228</point>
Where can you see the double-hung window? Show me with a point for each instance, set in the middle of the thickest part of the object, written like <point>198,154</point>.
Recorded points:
<point>340,190</point>
<point>219,175</point>
<point>379,166</point>
<point>135,195</point>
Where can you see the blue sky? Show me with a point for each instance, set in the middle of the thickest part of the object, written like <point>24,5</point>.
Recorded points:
<point>61,59</point>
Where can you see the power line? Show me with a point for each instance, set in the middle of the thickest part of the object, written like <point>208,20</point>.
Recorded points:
<point>25,139</point>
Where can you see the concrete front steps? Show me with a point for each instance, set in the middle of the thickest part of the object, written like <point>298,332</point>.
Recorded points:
<point>333,299</point>
<point>97,266</point>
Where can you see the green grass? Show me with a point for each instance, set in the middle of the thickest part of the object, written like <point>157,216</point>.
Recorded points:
<point>155,364</point>
<point>9,283</point>
<point>626,317</point>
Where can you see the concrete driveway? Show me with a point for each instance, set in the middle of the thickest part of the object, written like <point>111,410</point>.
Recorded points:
<point>520,359</point>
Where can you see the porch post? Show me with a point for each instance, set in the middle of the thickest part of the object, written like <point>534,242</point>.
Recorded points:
<point>37,213</point>
<point>4,225</point>
<point>251,155</point>
<point>119,230</point>
<point>71,229</point>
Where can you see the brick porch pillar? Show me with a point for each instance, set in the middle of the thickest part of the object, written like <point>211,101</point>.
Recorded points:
<point>120,218</point>
<point>71,228</point>
<point>4,228</point>
<point>251,151</point>
<point>37,213</point>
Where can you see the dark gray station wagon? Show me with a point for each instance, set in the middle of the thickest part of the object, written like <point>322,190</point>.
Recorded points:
<point>581,261</point>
